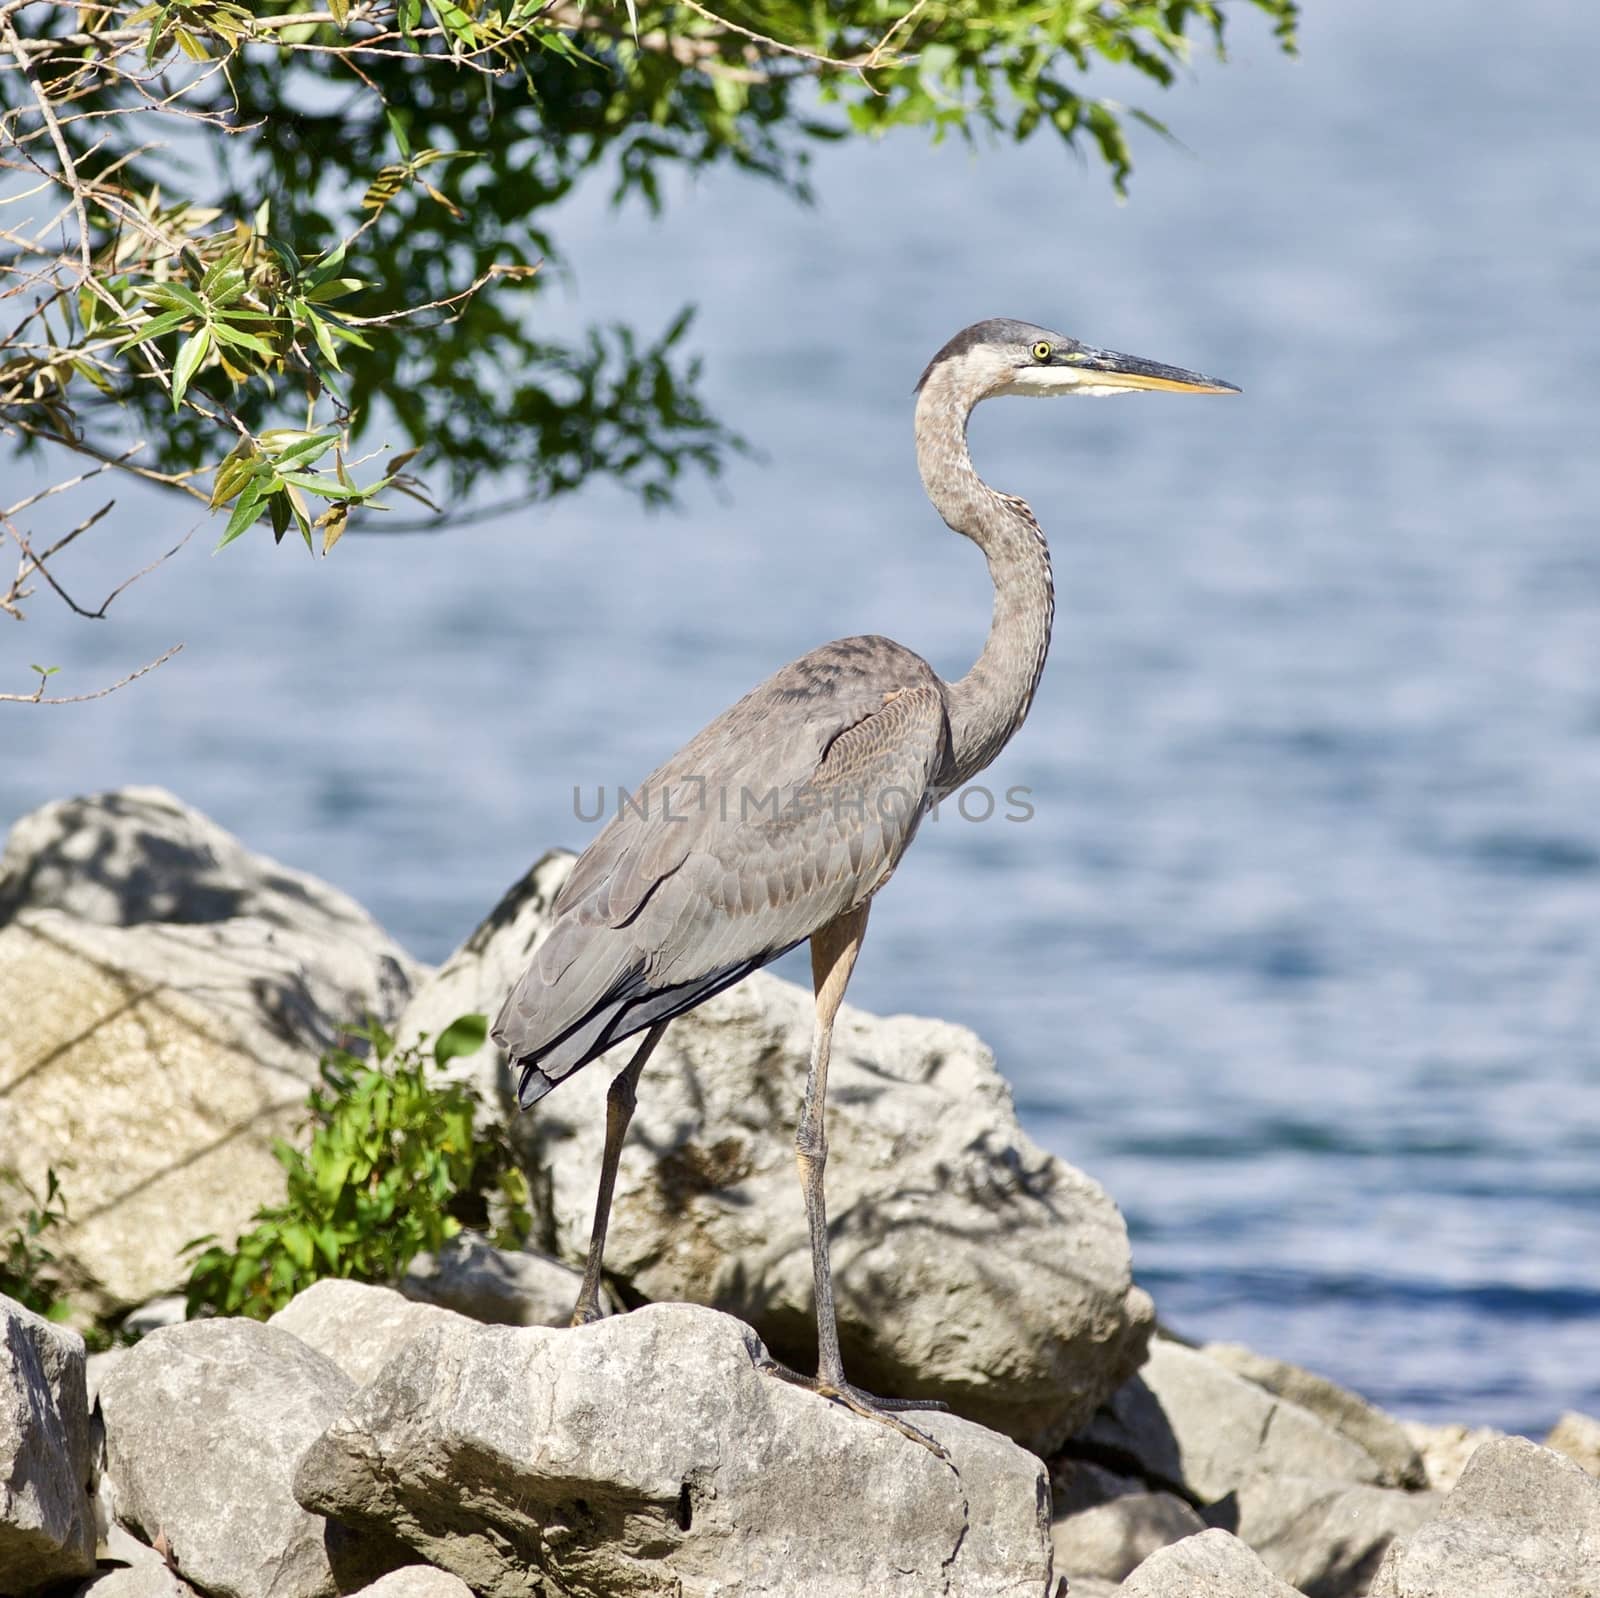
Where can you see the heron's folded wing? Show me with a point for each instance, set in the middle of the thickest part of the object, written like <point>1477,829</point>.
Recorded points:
<point>776,819</point>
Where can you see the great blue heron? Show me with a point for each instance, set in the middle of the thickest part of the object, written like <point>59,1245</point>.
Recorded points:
<point>781,820</point>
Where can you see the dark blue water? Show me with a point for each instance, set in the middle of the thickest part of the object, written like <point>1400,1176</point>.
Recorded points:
<point>1300,953</point>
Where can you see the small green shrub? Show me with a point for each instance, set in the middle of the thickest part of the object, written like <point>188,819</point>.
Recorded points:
<point>396,1164</point>
<point>27,1267</point>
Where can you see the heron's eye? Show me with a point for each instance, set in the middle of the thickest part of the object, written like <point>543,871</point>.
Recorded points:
<point>1041,351</point>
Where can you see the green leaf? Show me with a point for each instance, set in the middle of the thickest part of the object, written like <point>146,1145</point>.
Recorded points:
<point>190,354</point>
<point>319,331</point>
<point>244,515</point>
<point>240,340</point>
<point>464,1035</point>
<point>235,469</point>
<point>397,131</point>
<point>176,297</point>
<point>334,289</point>
<point>155,327</point>
<point>302,448</point>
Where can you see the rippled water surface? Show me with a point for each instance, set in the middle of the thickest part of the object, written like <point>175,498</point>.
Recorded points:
<point>1299,952</point>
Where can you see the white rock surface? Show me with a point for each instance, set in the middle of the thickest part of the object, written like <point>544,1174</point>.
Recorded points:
<point>969,1264</point>
<point>496,1285</point>
<point>1445,1449</point>
<point>137,1581</point>
<point>417,1581</point>
<point>477,977</point>
<point>1211,1565</point>
<point>358,1326</point>
<point>205,1424</point>
<point>1109,1541</point>
<point>166,994</point>
<point>1325,1538</point>
<point>46,1513</point>
<point>1347,1413</point>
<point>648,1454</point>
<point>1190,1424</point>
<point>132,1569</point>
<point>1578,1437</point>
<point>1523,1522</point>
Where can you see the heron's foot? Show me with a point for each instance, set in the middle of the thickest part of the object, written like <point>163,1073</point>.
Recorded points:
<point>886,1411</point>
<point>585,1312</point>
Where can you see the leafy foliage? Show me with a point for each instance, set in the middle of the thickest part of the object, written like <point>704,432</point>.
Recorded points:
<point>364,260</point>
<point>397,1163</point>
<point>27,1267</point>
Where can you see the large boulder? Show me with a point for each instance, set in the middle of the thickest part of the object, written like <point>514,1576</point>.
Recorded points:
<point>969,1264</point>
<point>1189,1424</point>
<point>648,1454</point>
<point>167,994</point>
<point>205,1424</point>
<point>1522,1522</point>
<point>46,1512</point>
<point>1211,1565</point>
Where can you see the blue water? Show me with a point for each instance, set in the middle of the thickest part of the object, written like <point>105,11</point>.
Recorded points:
<point>1300,953</point>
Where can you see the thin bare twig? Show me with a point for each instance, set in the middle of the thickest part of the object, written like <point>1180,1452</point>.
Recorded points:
<point>37,696</point>
<point>498,269</point>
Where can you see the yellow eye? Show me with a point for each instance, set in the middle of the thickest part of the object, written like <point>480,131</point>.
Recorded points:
<point>1041,351</point>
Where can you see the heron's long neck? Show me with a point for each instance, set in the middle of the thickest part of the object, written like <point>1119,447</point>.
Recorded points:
<point>989,703</point>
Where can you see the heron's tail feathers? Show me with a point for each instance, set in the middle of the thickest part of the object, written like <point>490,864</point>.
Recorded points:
<point>630,1007</point>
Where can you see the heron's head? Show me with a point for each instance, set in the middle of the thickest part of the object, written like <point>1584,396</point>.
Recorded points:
<point>1006,357</point>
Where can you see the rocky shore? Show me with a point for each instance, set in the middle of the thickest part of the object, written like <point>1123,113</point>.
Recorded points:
<point>165,995</point>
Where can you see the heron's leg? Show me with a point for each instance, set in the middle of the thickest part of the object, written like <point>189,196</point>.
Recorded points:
<point>620,1100</point>
<point>833,956</point>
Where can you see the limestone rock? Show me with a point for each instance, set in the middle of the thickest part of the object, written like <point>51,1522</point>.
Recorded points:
<point>133,1570</point>
<point>1189,1424</point>
<point>477,977</point>
<point>1210,1565</point>
<point>205,1424</point>
<point>417,1581</point>
<point>170,1309</point>
<point>1325,1538</point>
<point>1078,1484</point>
<point>355,1324</point>
<point>496,1285</point>
<point>969,1264</point>
<point>1522,1522</point>
<point>1110,1540</point>
<point>1445,1449</point>
<point>647,1453</point>
<point>46,1514</point>
<point>97,1367</point>
<point>167,994</point>
<point>1347,1413</point>
<point>1578,1437</point>
<point>137,1581</point>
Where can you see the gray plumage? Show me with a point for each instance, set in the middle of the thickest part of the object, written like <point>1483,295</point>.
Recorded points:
<point>788,810</point>
<point>795,804</point>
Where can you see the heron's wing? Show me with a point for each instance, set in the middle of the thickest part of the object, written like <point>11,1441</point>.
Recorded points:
<point>789,809</point>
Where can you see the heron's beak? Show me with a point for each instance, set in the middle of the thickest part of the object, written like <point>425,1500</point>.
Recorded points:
<point>1106,369</point>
